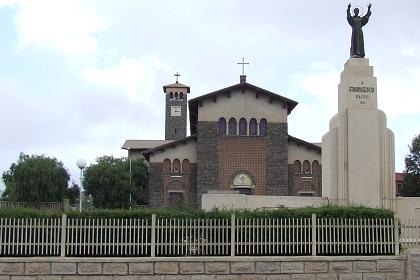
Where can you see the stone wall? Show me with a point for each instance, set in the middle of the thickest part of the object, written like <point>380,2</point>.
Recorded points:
<point>413,264</point>
<point>155,185</point>
<point>176,126</point>
<point>207,159</point>
<point>277,159</point>
<point>206,268</point>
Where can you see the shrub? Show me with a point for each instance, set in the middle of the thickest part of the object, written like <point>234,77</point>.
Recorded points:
<point>329,211</point>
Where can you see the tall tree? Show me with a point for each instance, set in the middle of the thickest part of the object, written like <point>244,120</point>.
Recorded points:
<point>411,185</point>
<point>72,193</point>
<point>35,178</point>
<point>108,182</point>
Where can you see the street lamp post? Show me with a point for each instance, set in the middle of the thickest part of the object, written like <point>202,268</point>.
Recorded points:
<point>81,163</point>
<point>129,158</point>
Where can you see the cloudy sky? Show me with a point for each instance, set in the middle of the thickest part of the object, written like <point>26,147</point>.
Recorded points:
<point>78,78</point>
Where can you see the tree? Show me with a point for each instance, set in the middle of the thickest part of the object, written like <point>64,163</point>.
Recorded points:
<point>72,193</point>
<point>411,185</point>
<point>108,182</point>
<point>35,179</point>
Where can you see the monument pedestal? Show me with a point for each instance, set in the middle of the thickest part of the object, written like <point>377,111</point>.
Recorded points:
<point>358,151</point>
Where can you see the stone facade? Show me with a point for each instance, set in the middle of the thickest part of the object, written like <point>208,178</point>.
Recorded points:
<point>277,159</point>
<point>207,159</point>
<point>156,190</point>
<point>239,142</point>
<point>203,268</point>
<point>176,126</point>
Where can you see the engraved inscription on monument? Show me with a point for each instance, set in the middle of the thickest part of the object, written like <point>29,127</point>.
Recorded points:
<point>361,93</point>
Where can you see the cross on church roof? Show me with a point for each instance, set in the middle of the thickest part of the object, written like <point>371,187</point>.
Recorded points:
<point>177,75</point>
<point>243,65</point>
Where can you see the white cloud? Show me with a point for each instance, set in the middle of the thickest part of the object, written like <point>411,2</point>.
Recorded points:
<point>136,77</point>
<point>64,26</point>
<point>399,94</point>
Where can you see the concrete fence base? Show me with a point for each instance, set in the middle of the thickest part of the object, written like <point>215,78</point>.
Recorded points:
<point>214,268</point>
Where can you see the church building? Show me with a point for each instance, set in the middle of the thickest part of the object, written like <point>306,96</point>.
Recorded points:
<point>238,142</point>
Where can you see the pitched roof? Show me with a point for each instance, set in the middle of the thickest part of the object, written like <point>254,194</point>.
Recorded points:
<point>399,177</point>
<point>176,85</point>
<point>143,144</point>
<point>170,144</point>
<point>193,103</point>
<point>304,143</point>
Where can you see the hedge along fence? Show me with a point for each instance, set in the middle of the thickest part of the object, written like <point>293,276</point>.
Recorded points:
<point>327,230</point>
<point>329,211</point>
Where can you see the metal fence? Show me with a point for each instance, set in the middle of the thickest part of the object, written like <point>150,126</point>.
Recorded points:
<point>205,237</point>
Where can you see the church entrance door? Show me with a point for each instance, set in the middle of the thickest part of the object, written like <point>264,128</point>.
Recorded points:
<point>176,199</point>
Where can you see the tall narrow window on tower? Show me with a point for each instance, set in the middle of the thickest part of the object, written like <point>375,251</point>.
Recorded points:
<point>181,96</point>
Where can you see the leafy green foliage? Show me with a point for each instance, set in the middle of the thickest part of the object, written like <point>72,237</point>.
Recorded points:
<point>168,213</point>
<point>411,185</point>
<point>72,193</point>
<point>108,182</point>
<point>35,179</point>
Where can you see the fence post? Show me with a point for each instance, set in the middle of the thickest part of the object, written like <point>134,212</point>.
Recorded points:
<point>153,237</point>
<point>396,236</point>
<point>232,234</point>
<point>313,234</point>
<point>63,234</point>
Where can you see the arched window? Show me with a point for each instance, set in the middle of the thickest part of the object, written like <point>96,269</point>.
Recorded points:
<point>166,166</point>
<point>222,126</point>
<point>176,165</point>
<point>263,127</point>
<point>297,167</point>
<point>232,126</point>
<point>315,167</point>
<point>253,127</point>
<point>185,166</point>
<point>306,167</point>
<point>181,96</point>
<point>242,126</point>
<point>171,95</point>
<point>176,96</point>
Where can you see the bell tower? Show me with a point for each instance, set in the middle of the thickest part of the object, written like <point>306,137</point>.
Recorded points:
<point>176,96</point>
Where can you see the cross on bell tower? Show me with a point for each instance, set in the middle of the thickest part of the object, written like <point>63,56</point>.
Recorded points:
<point>177,75</point>
<point>242,78</point>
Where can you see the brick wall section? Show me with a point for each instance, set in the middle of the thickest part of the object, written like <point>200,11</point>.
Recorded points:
<point>296,181</point>
<point>242,153</point>
<point>155,185</point>
<point>207,159</point>
<point>178,123</point>
<point>277,159</point>
<point>181,182</point>
<point>202,268</point>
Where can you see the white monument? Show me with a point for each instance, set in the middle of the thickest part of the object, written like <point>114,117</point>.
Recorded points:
<point>358,151</point>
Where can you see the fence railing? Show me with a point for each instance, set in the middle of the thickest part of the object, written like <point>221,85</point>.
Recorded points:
<point>410,233</point>
<point>58,206</point>
<point>205,237</point>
